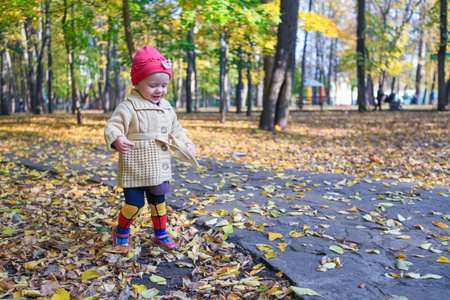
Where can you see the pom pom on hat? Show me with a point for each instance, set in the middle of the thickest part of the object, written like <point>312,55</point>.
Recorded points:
<point>148,61</point>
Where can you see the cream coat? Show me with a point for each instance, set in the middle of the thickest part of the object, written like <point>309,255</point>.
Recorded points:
<point>155,131</point>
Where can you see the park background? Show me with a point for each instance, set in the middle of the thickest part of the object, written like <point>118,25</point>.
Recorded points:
<point>345,191</point>
<point>56,51</point>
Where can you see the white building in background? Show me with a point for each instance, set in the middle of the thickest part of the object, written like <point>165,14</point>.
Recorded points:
<point>342,94</point>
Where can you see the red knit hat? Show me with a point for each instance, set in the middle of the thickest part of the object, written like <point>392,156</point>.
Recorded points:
<point>148,61</point>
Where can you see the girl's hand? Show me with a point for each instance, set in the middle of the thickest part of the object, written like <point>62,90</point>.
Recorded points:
<point>123,144</point>
<point>191,148</point>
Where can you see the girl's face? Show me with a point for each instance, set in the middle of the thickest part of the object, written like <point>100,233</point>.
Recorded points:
<point>153,87</point>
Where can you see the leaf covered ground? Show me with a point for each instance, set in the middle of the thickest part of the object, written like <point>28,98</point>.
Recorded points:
<point>56,244</point>
<point>55,227</point>
<point>407,145</point>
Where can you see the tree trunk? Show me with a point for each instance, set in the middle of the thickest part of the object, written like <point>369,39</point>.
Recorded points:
<point>15,94</point>
<point>448,92</point>
<point>259,93</point>
<point>433,85</point>
<point>393,84</point>
<point>225,78</point>
<point>23,86</point>
<point>419,60</point>
<point>222,70</point>
<point>276,106</point>
<point>178,103</point>
<point>31,74</point>
<point>40,91</point>
<point>197,96</point>
<point>117,77</point>
<point>50,75</point>
<point>330,68</point>
<point>107,97</point>
<point>302,80</point>
<point>442,94</point>
<point>189,71</point>
<point>360,52</point>
<point>269,62</point>
<point>4,105</point>
<point>70,56</point>
<point>127,27</point>
<point>370,89</point>
<point>249,89</point>
<point>238,101</point>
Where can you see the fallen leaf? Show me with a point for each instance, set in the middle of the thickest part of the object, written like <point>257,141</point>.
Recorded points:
<point>150,293</point>
<point>337,249</point>
<point>443,260</point>
<point>304,291</point>
<point>274,236</point>
<point>158,279</point>
<point>439,224</point>
<point>89,274</point>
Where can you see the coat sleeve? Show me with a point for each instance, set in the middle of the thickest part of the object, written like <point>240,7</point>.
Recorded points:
<point>117,125</point>
<point>178,131</point>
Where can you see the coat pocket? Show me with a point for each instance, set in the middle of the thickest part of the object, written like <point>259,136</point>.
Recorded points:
<point>141,162</point>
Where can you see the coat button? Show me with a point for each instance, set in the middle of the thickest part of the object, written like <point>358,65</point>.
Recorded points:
<point>164,148</point>
<point>164,130</point>
<point>165,166</point>
<point>160,112</point>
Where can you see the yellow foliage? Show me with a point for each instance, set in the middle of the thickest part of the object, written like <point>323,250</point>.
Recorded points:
<point>315,22</point>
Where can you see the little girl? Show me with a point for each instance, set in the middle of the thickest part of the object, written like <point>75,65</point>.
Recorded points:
<point>143,129</point>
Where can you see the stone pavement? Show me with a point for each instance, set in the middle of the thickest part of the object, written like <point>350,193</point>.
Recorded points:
<point>342,236</point>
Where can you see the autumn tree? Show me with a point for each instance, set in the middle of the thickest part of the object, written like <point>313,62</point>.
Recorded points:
<point>360,52</point>
<point>442,100</point>
<point>276,106</point>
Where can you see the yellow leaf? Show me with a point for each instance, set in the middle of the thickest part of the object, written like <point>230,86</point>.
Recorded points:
<point>270,254</point>
<point>444,260</point>
<point>402,256</point>
<point>439,224</point>
<point>139,288</point>
<point>279,274</point>
<point>282,246</point>
<point>278,290</point>
<point>295,234</point>
<point>206,287</point>
<point>305,227</point>
<point>445,238</point>
<point>418,227</point>
<point>260,227</point>
<point>61,294</point>
<point>89,274</point>
<point>353,209</point>
<point>399,276</point>
<point>31,265</point>
<point>263,247</point>
<point>296,214</point>
<point>274,236</point>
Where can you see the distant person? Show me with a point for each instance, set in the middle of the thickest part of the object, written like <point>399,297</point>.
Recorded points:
<point>21,106</point>
<point>144,128</point>
<point>414,99</point>
<point>431,98</point>
<point>380,97</point>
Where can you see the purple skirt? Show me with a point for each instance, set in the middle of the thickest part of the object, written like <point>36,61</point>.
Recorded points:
<point>160,189</point>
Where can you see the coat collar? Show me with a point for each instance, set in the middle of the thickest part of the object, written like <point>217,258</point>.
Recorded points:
<point>141,103</point>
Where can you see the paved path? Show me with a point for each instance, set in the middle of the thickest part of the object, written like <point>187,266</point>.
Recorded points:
<point>371,222</point>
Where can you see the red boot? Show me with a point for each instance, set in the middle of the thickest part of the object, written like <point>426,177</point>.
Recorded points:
<point>157,239</point>
<point>116,235</point>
